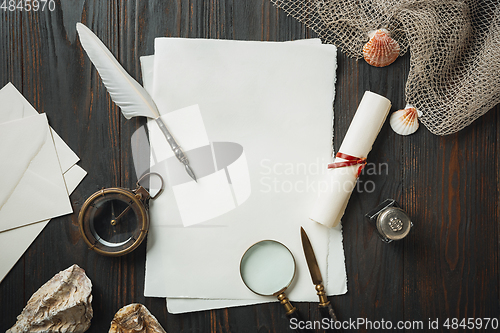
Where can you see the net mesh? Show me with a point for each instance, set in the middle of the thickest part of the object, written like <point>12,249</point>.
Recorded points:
<point>454,49</point>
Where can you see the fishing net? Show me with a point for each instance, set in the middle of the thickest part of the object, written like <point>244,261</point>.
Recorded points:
<point>454,49</point>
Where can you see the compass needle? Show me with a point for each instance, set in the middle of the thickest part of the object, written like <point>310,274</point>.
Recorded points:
<point>113,221</point>
<point>120,216</point>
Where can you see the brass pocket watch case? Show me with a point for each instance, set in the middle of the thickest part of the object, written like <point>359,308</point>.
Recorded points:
<point>115,221</point>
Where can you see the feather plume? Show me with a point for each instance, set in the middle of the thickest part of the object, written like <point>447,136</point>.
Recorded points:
<point>126,92</point>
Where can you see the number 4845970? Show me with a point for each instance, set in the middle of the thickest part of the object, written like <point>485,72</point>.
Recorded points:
<point>471,323</point>
<point>27,5</point>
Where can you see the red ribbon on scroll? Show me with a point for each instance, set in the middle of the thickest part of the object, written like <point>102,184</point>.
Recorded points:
<point>351,160</point>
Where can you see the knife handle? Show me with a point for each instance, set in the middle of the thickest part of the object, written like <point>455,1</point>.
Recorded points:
<point>292,313</point>
<point>325,307</point>
<point>326,311</point>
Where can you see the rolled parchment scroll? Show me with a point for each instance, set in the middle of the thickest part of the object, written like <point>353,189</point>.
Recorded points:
<point>340,181</point>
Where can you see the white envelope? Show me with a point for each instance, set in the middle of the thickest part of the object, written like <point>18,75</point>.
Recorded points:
<point>30,174</point>
<point>13,243</point>
<point>23,122</point>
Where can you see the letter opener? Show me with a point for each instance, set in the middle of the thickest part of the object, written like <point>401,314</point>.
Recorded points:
<point>325,307</point>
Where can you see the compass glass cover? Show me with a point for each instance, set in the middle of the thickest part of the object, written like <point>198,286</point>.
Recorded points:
<point>113,223</point>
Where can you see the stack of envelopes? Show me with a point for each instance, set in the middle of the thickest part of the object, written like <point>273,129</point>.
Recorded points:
<point>255,120</point>
<point>37,172</point>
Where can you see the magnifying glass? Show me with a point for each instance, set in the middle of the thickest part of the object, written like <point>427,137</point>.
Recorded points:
<point>267,268</point>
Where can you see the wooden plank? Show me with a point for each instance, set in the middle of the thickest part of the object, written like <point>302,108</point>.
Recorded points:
<point>497,196</point>
<point>451,260</point>
<point>11,55</point>
<point>212,19</point>
<point>12,293</point>
<point>130,267</point>
<point>374,269</point>
<point>259,20</point>
<point>60,81</point>
<point>446,268</point>
<point>111,277</point>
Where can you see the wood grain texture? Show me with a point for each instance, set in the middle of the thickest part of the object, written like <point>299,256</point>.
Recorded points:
<point>446,268</point>
<point>12,292</point>
<point>451,265</point>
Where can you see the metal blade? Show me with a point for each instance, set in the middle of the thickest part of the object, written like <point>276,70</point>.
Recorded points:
<point>312,263</point>
<point>190,172</point>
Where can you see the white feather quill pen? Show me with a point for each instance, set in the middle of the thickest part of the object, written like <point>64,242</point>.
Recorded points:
<point>126,92</point>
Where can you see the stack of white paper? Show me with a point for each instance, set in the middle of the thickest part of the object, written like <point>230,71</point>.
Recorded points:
<point>37,170</point>
<point>255,121</point>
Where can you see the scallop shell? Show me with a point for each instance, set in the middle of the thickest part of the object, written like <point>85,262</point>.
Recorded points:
<point>405,122</point>
<point>62,304</point>
<point>381,50</point>
<point>134,318</point>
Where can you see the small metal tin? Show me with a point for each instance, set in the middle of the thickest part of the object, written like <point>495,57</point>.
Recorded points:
<point>391,221</point>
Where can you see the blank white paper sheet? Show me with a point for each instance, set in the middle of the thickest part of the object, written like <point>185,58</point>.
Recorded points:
<point>255,121</point>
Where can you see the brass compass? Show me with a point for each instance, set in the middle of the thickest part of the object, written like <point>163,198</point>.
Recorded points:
<point>114,221</point>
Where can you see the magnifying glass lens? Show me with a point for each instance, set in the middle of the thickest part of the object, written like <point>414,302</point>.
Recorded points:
<point>267,267</point>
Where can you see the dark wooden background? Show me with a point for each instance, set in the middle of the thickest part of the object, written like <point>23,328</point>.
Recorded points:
<point>446,268</point>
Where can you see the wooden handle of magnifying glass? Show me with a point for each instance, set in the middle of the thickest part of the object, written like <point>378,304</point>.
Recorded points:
<point>293,313</point>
